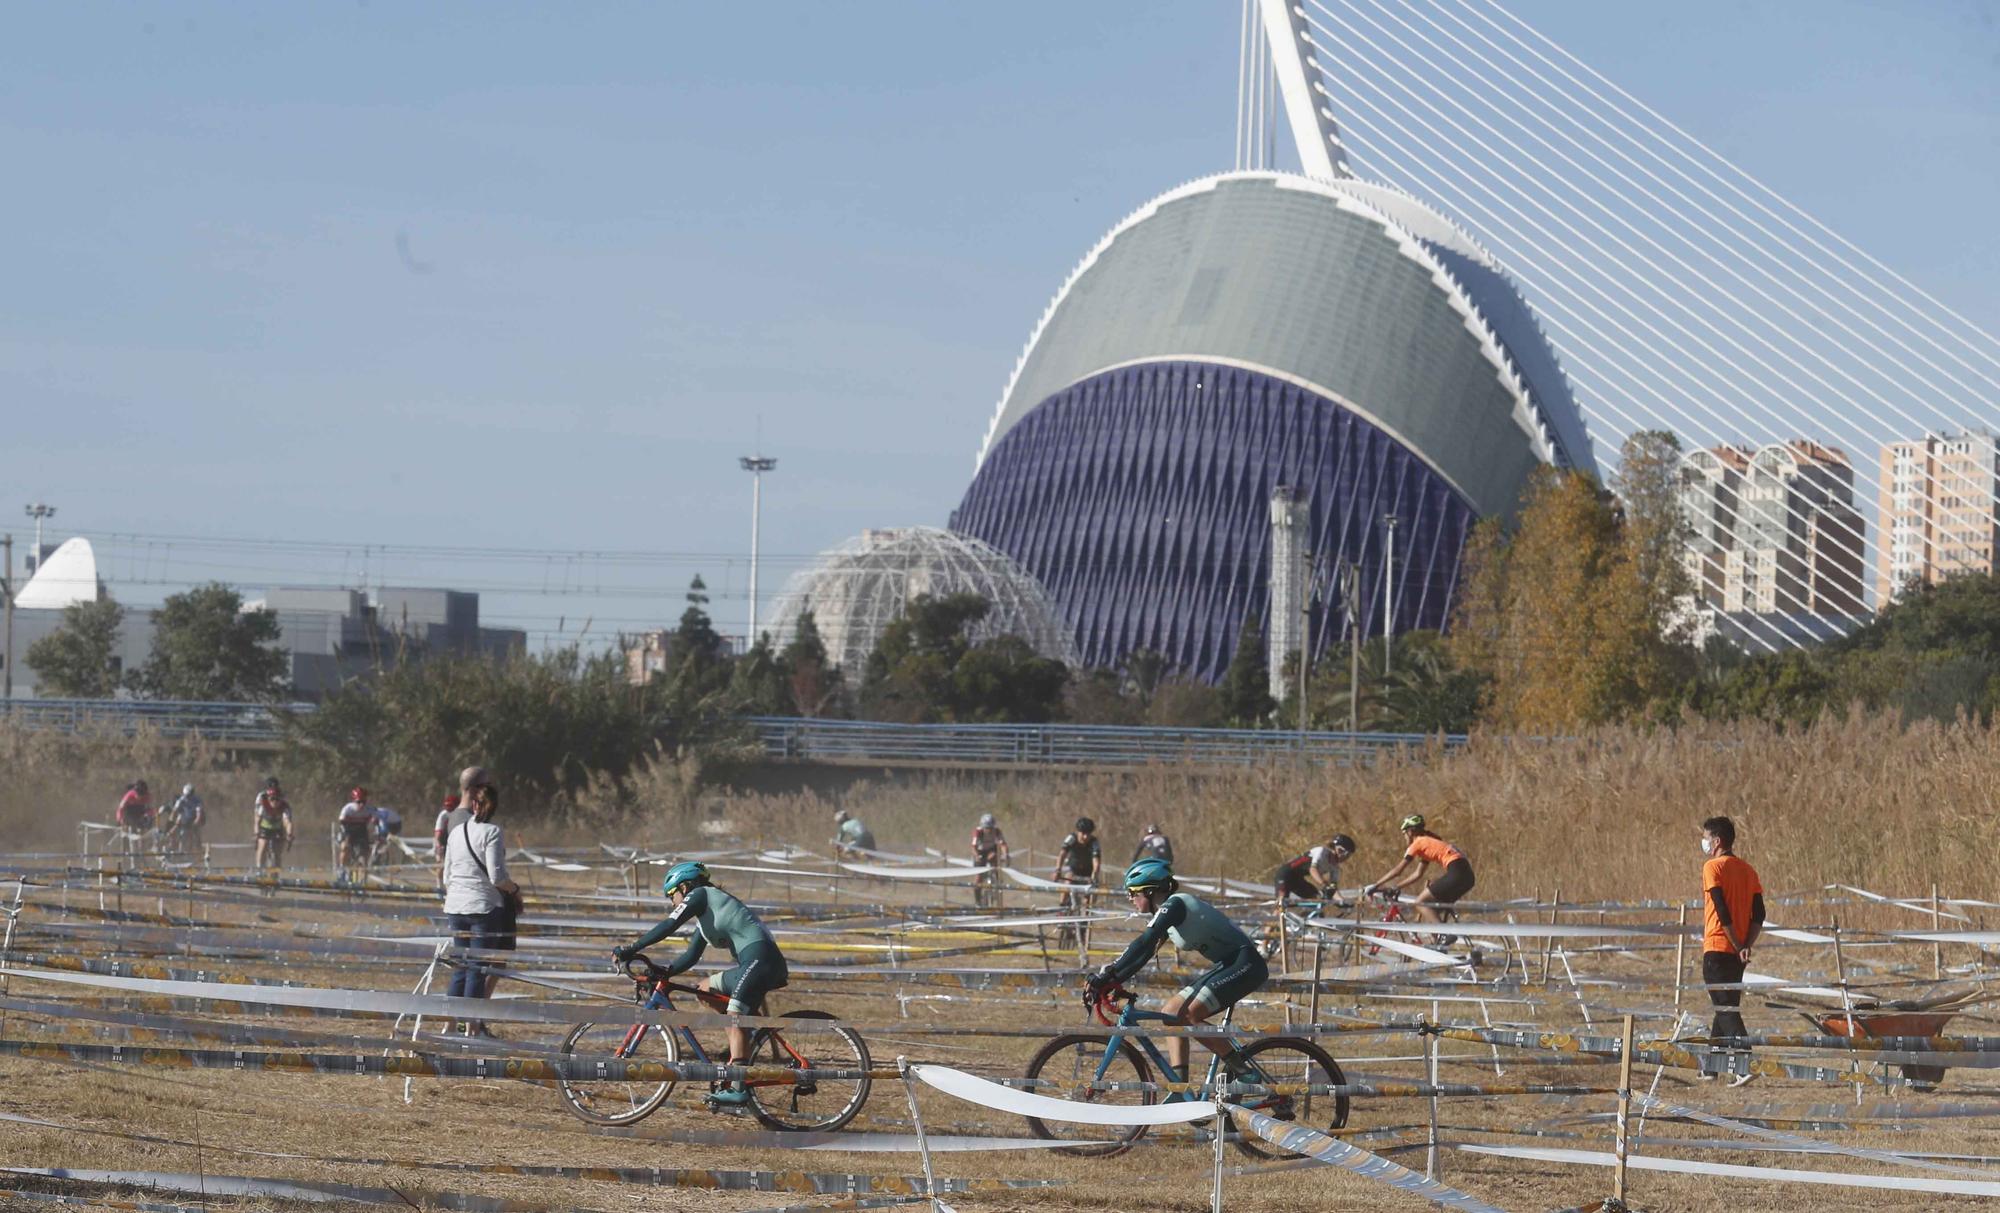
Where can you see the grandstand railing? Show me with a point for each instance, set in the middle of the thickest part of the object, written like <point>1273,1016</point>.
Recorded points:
<point>864,743</point>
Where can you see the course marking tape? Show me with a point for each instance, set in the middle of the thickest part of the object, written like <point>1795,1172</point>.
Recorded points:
<point>1705,1167</point>
<point>1311,1143</point>
<point>973,1089</point>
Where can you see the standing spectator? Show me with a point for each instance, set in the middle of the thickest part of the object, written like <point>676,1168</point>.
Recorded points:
<point>1154,845</point>
<point>1732,916</point>
<point>481,903</point>
<point>457,811</point>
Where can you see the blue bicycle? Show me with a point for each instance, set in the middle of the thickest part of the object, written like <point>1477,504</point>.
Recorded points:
<point>822,1104</point>
<point>1085,1067</point>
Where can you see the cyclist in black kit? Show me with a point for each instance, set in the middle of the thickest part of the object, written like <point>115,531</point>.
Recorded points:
<point>1082,855</point>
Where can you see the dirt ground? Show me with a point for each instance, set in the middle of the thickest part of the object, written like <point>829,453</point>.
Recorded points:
<point>362,1131</point>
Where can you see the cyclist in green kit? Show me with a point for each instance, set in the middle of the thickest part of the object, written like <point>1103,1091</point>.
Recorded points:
<point>1236,966</point>
<point>719,918</point>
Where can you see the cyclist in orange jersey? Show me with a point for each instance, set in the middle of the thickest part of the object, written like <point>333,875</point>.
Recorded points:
<point>1422,849</point>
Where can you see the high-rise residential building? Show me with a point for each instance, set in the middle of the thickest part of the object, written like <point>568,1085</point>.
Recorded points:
<point>1773,530</point>
<point>1940,496</point>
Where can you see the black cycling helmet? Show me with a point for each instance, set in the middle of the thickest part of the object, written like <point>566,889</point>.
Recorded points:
<point>1343,842</point>
<point>271,783</point>
<point>1152,827</point>
<point>1085,825</point>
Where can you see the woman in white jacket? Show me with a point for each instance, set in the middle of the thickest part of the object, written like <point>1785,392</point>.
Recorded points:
<point>479,900</point>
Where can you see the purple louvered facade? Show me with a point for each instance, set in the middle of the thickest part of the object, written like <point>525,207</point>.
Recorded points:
<point>1140,497</point>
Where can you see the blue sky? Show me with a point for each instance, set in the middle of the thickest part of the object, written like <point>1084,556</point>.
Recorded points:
<point>528,277</point>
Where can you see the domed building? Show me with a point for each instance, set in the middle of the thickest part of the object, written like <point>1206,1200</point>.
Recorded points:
<point>1256,334</point>
<point>859,587</point>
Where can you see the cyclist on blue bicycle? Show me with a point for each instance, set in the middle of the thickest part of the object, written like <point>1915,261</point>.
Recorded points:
<point>1236,965</point>
<point>719,918</point>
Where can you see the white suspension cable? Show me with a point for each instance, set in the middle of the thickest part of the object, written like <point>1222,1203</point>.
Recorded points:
<point>1664,371</point>
<point>1242,81</point>
<point>1705,249</point>
<point>1718,158</point>
<point>1684,290</point>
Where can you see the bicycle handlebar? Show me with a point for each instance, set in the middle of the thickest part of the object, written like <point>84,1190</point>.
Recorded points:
<point>1101,1007</point>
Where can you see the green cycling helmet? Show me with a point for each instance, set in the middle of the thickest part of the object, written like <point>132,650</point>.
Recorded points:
<point>1148,873</point>
<point>1414,821</point>
<point>685,872</point>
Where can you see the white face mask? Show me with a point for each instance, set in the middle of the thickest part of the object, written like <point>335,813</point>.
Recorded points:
<point>1707,845</point>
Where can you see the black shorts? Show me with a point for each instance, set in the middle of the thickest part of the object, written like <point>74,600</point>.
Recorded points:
<point>1223,984</point>
<point>759,969</point>
<point>1293,882</point>
<point>1452,883</point>
<point>356,835</point>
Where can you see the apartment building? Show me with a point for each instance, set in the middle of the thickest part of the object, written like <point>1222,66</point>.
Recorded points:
<point>1938,509</point>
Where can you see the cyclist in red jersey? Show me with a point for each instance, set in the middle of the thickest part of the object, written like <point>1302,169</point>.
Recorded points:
<point>1422,849</point>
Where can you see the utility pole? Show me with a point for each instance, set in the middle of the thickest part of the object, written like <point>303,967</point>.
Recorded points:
<point>1305,640</point>
<point>756,465</point>
<point>1350,583</point>
<point>7,588</point>
<point>1388,590</point>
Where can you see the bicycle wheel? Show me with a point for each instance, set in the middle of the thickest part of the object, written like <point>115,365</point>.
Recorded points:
<point>619,1102</point>
<point>1070,1064</point>
<point>1284,1060</point>
<point>821,1104</point>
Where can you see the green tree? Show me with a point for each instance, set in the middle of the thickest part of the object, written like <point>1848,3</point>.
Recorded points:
<point>206,646</point>
<point>1246,684</point>
<point>1005,681</point>
<point>817,687</point>
<point>909,674</point>
<point>79,660</point>
<point>757,684</point>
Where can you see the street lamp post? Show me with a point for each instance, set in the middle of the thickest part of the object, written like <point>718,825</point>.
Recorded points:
<point>1388,590</point>
<point>756,465</point>
<point>38,511</point>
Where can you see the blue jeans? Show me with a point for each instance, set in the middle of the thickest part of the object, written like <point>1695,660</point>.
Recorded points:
<point>493,929</point>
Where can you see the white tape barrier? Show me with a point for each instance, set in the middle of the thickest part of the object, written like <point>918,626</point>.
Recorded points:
<point>1035,882</point>
<point>1401,947</point>
<point>973,1089</point>
<point>1315,1146</point>
<point>1913,905</point>
<point>886,872</point>
<point>1502,930</point>
<point>1703,1167</point>
<point>1046,920</point>
<point>1794,1141</point>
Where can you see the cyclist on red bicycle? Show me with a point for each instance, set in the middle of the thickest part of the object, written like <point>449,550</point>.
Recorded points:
<point>1315,875</point>
<point>1236,965</point>
<point>719,918</point>
<point>1422,849</point>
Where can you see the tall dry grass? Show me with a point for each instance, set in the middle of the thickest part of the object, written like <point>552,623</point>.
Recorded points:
<point>1611,813</point>
<point>51,781</point>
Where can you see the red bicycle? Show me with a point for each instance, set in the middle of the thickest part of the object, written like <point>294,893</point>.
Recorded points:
<point>819,1104</point>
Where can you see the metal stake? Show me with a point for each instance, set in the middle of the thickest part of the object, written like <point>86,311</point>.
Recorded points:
<point>1624,1109</point>
<point>923,1144</point>
<point>1431,1063</point>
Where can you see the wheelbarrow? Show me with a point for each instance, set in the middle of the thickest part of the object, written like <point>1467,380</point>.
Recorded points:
<point>1890,1023</point>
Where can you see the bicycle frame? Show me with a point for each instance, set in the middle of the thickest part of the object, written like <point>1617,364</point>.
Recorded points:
<point>660,998</point>
<point>1132,1017</point>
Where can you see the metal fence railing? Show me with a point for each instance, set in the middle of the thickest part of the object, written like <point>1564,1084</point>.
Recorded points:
<point>791,739</point>
<point>246,722</point>
<point>860,742</point>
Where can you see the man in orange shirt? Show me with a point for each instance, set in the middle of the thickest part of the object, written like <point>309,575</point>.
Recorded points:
<point>1732,915</point>
<point>1422,849</point>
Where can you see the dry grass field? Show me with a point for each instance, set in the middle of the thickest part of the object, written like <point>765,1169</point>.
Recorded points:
<point>1608,818</point>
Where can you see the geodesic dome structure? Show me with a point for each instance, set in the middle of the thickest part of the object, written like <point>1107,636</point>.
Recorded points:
<point>855,589</point>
